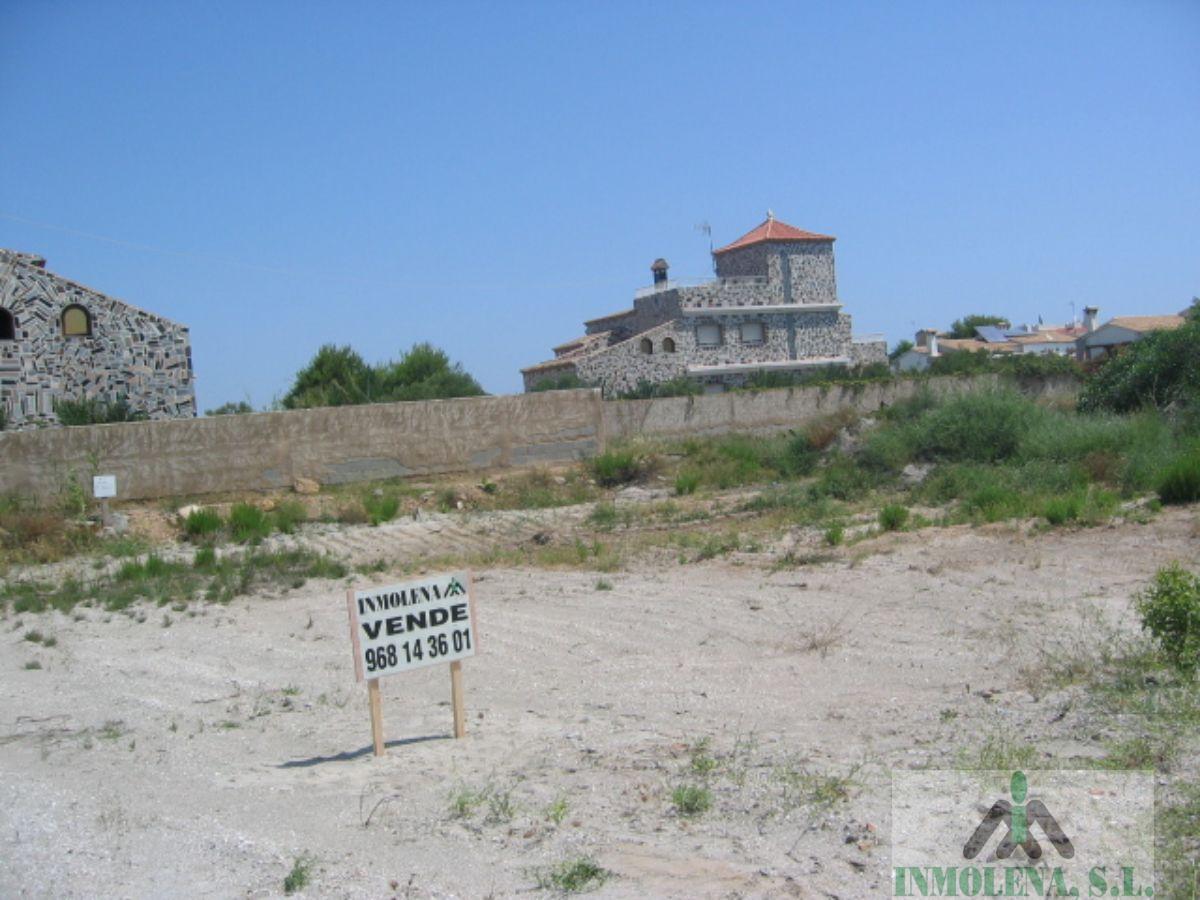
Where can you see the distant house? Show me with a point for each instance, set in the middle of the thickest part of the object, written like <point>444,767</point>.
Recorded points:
<point>60,340</point>
<point>1121,331</point>
<point>996,340</point>
<point>773,307</point>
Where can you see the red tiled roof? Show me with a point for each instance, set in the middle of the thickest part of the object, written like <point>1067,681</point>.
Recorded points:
<point>774,230</point>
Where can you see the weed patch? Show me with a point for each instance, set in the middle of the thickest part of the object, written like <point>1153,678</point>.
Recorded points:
<point>692,799</point>
<point>573,876</point>
<point>177,583</point>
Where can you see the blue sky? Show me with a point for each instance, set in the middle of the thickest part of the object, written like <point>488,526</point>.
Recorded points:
<point>486,176</point>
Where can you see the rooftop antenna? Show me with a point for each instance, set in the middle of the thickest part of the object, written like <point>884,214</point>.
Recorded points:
<point>705,228</point>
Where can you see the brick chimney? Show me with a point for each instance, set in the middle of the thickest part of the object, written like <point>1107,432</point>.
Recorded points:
<point>927,337</point>
<point>1089,318</point>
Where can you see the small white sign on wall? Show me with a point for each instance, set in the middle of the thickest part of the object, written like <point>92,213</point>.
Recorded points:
<point>104,486</point>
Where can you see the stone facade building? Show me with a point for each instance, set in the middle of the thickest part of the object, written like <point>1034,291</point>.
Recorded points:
<point>62,341</point>
<point>772,307</point>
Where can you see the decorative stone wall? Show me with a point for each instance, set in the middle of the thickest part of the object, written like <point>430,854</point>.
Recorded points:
<point>798,273</point>
<point>868,352</point>
<point>787,336</point>
<point>130,352</point>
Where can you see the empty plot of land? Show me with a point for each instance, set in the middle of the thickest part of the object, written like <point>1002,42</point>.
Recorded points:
<point>202,754</point>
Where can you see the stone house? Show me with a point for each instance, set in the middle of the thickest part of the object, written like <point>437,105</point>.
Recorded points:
<point>62,341</point>
<point>772,307</point>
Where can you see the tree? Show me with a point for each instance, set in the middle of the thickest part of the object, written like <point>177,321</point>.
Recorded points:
<point>900,349</point>
<point>338,376</point>
<point>961,329</point>
<point>240,408</point>
<point>425,373</point>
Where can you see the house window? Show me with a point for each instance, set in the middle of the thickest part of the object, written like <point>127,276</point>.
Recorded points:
<point>8,326</point>
<point>752,333</point>
<point>76,322</point>
<point>708,335</point>
<point>668,345</point>
<point>646,346</point>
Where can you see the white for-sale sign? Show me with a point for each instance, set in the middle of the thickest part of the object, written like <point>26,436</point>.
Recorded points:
<point>410,624</point>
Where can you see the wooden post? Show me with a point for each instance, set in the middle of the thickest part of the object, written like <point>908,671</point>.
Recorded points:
<point>105,515</point>
<point>456,698</point>
<point>376,715</point>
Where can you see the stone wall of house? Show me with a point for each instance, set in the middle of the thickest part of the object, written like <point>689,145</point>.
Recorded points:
<point>796,273</point>
<point>130,352</point>
<point>810,273</point>
<point>787,336</point>
<point>868,352</point>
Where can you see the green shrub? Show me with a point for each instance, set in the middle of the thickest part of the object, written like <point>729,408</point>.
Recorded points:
<point>842,479</point>
<point>202,523</point>
<point>801,453</point>
<point>380,509</point>
<point>616,467</point>
<point>573,876</point>
<point>96,411</point>
<point>691,799</point>
<point>206,558</point>
<point>289,515</point>
<point>1180,481</point>
<point>1161,370</point>
<point>985,426</point>
<point>893,517</point>
<point>1060,510</point>
<point>565,382</point>
<point>993,503</point>
<point>1170,611</point>
<point>297,879</point>
<point>834,535</point>
<point>248,524</point>
<point>686,482</point>
<point>603,516</point>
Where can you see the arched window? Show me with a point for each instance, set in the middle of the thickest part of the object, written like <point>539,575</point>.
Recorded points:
<point>8,326</point>
<point>646,346</point>
<point>76,322</point>
<point>668,345</point>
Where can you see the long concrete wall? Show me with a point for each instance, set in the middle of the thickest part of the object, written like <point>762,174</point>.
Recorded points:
<point>333,445</point>
<point>784,408</point>
<point>363,443</point>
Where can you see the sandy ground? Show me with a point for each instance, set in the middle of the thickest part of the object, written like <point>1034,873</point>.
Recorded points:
<point>202,758</point>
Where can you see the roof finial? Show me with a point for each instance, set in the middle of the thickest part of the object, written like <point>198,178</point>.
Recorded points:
<point>770,215</point>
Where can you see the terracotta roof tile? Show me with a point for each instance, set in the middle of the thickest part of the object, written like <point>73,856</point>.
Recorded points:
<point>774,230</point>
